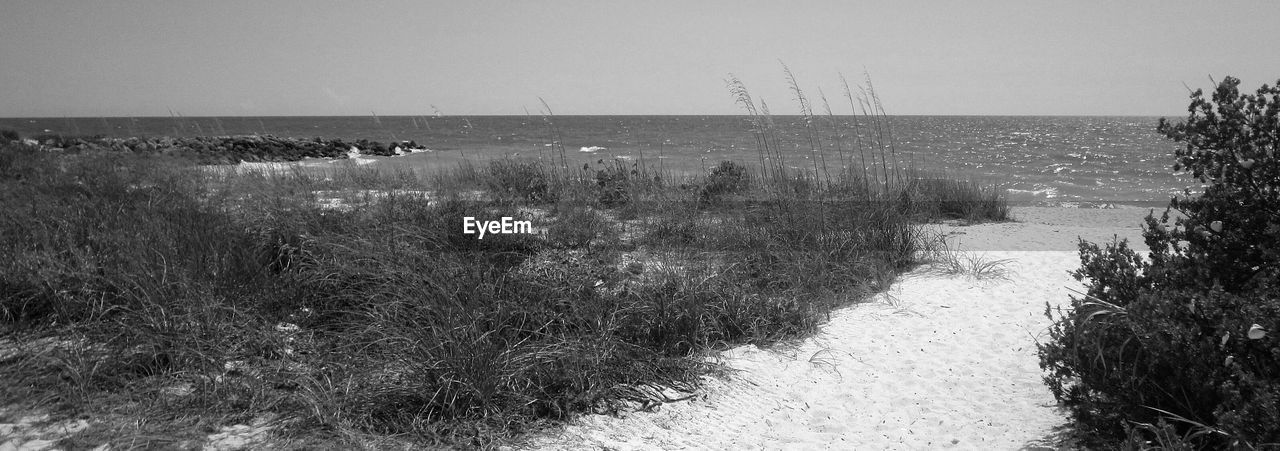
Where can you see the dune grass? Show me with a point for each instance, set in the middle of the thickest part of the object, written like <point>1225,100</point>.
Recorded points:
<point>145,287</point>
<point>347,305</point>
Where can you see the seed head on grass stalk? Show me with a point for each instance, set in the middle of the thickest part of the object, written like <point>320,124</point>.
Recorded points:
<point>771,136</point>
<point>743,97</point>
<point>868,111</point>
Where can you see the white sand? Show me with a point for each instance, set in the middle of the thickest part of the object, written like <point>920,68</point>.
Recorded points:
<point>936,362</point>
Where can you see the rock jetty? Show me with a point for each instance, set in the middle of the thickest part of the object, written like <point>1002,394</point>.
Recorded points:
<point>228,149</point>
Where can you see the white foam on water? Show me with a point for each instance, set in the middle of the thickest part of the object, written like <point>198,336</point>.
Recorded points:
<point>1048,192</point>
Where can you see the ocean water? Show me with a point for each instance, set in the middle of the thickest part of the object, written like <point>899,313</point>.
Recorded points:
<point>1040,159</point>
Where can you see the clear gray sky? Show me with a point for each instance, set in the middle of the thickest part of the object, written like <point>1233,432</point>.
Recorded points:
<point>318,57</point>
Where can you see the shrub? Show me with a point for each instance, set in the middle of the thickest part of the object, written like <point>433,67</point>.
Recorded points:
<point>725,178</point>
<point>526,180</point>
<point>1171,338</point>
<point>675,226</point>
<point>614,184</point>
<point>89,233</point>
<point>578,227</point>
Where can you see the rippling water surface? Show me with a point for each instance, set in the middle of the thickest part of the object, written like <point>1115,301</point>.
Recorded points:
<point>1039,158</point>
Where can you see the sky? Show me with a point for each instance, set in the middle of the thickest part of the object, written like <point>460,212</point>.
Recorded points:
<point>61,58</point>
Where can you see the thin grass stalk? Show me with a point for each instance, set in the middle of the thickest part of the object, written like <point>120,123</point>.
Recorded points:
<point>771,138</point>
<point>177,123</point>
<point>857,136</point>
<point>743,97</point>
<point>888,130</point>
<point>644,168</point>
<point>876,134</point>
<point>831,120</point>
<point>557,139</point>
<point>884,162</point>
<point>806,113</point>
<point>873,132</point>
<point>662,163</point>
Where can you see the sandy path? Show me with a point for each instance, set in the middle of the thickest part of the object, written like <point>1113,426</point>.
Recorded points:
<point>935,362</point>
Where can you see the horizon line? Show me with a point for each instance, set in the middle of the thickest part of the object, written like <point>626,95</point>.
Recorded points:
<point>565,115</point>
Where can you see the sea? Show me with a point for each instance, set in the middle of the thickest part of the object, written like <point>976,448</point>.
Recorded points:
<point>1040,160</point>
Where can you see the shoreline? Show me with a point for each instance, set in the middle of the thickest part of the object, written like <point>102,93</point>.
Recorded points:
<point>1036,228</point>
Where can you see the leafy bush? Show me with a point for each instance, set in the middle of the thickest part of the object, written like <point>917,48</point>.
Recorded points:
<point>1184,337</point>
<point>614,183</point>
<point>725,178</point>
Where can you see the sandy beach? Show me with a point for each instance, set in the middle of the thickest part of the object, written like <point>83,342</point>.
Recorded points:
<point>937,361</point>
<point>637,226</point>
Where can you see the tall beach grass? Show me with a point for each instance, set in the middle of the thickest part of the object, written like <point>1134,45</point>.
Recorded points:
<point>347,303</point>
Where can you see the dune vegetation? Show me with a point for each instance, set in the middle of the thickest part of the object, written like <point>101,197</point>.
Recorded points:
<point>346,303</point>
<point>1179,350</point>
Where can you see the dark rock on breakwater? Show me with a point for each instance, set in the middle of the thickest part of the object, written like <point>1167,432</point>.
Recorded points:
<point>226,149</point>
